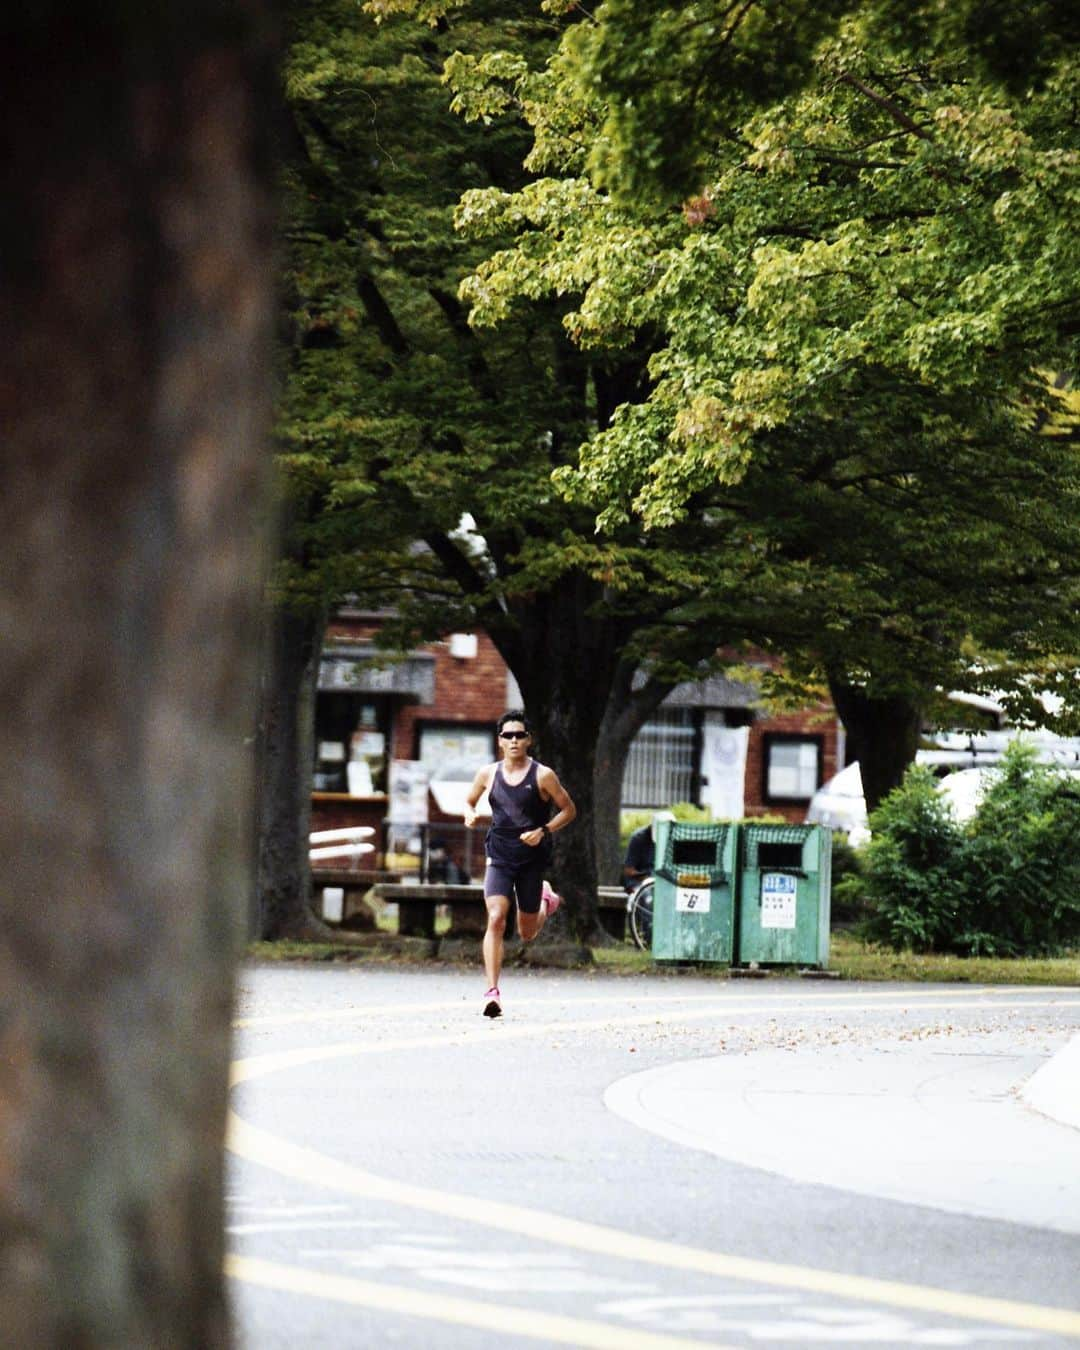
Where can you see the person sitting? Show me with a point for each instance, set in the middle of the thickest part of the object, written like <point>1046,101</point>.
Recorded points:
<point>442,867</point>
<point>641,852</point>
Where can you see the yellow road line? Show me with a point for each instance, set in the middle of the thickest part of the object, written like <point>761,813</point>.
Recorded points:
<point>500,1319</point>
<point>316,1169</point>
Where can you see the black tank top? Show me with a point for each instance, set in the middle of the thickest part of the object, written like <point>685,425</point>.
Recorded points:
<point>516,808</point>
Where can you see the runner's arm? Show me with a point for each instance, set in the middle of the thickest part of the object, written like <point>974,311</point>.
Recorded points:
<point>480,785</point>
<point>553,791</point>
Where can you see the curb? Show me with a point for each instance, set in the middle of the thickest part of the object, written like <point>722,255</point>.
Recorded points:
<point>1054,1090</point>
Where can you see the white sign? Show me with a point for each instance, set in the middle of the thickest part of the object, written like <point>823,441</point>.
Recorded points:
<point>778,900</point>
<point>723,767</point>
<point>692,899</point>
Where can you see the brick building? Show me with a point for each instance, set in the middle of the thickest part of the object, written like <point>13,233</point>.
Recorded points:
<point>399,739</point>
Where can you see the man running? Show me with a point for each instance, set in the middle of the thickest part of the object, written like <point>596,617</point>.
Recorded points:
<point>523,793</point>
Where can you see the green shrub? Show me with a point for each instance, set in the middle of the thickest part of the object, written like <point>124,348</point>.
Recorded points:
<point>1007,884</point>
<point>912,882</point>
<point>1023,861</point>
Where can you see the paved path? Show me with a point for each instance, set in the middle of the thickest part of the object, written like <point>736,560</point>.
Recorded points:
<point>406,1174</point>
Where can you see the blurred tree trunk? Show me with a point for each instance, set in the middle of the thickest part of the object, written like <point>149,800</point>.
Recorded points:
<point>136,236</point>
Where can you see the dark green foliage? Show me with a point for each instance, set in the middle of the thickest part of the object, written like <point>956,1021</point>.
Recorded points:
<point>1023,861</point>
<point>912,882</point>
<point>1007,884</point>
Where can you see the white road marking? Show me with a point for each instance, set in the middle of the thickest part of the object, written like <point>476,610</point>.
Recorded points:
<point>498,1271</point>
<point>791,1320</point>
<point>500,1319</point>
<point>317,1169</point>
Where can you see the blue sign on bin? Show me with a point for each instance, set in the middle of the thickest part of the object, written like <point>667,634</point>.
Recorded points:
<point>778,896</point>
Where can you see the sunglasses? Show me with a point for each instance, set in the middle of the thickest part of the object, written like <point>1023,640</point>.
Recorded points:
<point>515,735</point>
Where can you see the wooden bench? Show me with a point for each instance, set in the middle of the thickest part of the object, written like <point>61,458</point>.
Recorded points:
<point>348,843</point>
<point>352,878</point>
<point>417,902</point>
<point>353,881</point>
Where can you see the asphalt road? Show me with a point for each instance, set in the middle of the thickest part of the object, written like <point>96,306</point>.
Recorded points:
<point>647,1162</point>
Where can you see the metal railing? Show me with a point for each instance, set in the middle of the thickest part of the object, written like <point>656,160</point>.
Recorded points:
<point>435,863</point>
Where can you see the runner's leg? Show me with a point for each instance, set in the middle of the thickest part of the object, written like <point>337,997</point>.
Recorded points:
<point>498,907</point>
<point>531,914</point>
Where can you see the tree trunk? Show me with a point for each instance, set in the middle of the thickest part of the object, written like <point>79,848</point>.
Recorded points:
<point>627,711</point>
<point>287,728</point>
<point>883,735</point>
<point>565,744</point>
<point>609,767</point>
<point>136,234</point>
<point>566,661</point>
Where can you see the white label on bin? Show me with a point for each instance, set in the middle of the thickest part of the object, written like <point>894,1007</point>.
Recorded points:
<point>692,899</point>
<point>778,900</point>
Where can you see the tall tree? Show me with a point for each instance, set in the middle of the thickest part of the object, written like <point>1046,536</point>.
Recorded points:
<point>136,234</point>
<point>399,421</point>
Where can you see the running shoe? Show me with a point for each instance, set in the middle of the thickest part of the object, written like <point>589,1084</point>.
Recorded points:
<point>551,899</point>
<point>492,1003</point>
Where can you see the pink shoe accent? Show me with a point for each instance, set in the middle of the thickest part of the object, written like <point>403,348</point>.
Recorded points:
<point>549,899</point>
<point>492,1003</point>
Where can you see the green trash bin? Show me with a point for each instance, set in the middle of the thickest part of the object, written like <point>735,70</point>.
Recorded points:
<point>693,892</point>
<point>784,894</point>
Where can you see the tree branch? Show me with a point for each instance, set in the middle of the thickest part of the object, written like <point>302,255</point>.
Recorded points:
<point>895,112</point>
<point>381,315</point>
<point>459,323</point>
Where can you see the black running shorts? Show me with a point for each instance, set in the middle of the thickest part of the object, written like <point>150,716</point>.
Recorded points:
<point>524,882</point>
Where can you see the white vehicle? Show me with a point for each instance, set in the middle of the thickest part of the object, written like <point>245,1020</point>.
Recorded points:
<point>840,805</point>
<point>964,790</point>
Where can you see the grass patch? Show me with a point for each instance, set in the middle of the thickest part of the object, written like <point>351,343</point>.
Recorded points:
<point>854,959</point>
<point>287,950</point>
<point>623,960</point>
<point>290,950</point>
<point>386,921</point>
<point>849,957</point>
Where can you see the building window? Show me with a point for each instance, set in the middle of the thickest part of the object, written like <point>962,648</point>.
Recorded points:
<point>792,767</point>
<point>351,732</point>
<point>660,765</point>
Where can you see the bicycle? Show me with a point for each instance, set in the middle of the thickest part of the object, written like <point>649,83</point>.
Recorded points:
<point>639,907</point>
